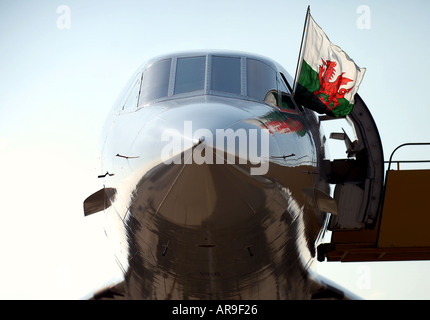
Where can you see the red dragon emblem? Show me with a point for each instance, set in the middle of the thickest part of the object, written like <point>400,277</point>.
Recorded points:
<point>329,91</point>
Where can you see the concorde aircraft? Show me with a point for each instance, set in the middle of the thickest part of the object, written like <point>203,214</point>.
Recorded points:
<point>216,183</point>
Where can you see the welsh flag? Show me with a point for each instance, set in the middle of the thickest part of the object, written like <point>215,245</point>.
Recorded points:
<point>328,78</point>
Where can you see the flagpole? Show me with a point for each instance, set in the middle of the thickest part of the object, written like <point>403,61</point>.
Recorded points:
<point>301,47</point>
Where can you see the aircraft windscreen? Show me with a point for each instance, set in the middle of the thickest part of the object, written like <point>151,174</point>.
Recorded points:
<point>261,79</point>
<point>233,76</point>
<point>225,75</point>
<point>190,74</point>
<point>156,81</point>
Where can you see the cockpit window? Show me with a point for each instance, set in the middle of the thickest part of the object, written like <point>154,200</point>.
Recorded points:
<point>225,74</point>
<point>130,100</point>
<point>234,76</point>
<point>190,74</point>
<point>261,81</point>
<point>285,102</point>
<point>156,81</point>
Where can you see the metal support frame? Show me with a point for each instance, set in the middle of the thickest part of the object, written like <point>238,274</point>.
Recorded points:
<point>363,171</point>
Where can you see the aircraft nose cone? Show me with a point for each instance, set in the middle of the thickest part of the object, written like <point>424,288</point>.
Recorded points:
<point>198,154</point>
<point>204,132</point>
<point>197,215</point>
<point>195,195</point>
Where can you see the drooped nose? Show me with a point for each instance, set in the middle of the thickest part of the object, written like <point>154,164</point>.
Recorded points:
<point>204,132</point>
<point>201,223</point>
<point>199,154</point>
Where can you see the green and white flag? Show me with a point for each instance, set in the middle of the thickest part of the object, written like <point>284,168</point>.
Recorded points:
<point>328,78</point>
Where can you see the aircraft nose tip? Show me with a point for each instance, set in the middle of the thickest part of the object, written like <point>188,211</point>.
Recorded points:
<point>193,194</point>
<point>199,153</point>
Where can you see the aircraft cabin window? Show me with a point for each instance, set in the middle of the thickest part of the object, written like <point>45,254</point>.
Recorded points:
<point>156,81</point>
<point>261,81</point>
<point>190,74</point>
<point>225,75</point>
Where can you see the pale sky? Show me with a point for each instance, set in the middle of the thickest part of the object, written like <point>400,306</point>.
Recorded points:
<point>58,81</point>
